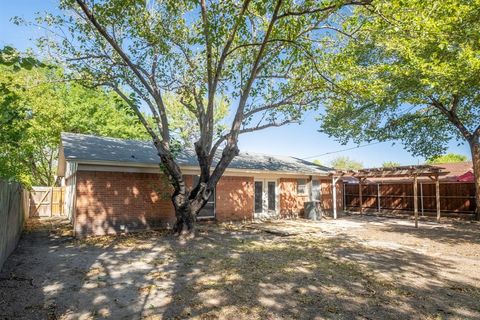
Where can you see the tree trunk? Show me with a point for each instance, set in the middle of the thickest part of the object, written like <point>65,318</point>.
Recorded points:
<point>186,209</point>
<point>475,149</point>
<point>185,223</point>
<point>188,203</point>
<point>183,212</point>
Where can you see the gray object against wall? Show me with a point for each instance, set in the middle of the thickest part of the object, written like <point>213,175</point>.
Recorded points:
<point>313,210</point>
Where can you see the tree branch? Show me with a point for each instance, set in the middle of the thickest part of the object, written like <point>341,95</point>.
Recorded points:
<point>135,109</point>
<point>253,73</point>
<point>252,129</point>
<point>323,9</point>
<point>113,43</point>
<point>453,118</point>
<point>152,90</point>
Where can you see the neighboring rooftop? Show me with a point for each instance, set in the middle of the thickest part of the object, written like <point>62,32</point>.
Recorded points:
<point>80,147</point>
<point>456,170</point>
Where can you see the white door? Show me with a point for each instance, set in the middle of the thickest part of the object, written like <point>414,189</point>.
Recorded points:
<point>265,199</point>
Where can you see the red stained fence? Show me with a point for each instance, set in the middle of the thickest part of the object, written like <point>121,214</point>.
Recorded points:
<point>455,197</point>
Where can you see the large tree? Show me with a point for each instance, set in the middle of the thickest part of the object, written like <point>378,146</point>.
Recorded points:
<point>264,58</point>
<point>390,164</point>
<point>345,163</point>
<point>447,158</point>
<point>409,70</point>
<point>36,105</point>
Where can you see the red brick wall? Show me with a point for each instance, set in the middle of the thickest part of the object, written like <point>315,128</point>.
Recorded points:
<point>234,199</point>
<point>108,202</point>
<point>291,203</point>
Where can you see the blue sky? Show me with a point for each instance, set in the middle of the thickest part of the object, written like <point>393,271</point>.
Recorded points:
<point>295,140</point>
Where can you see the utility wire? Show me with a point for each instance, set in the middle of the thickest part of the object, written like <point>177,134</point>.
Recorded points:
<point>338,151</point>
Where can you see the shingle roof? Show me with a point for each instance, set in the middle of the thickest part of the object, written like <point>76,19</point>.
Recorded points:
<point>456,169</point>
<point>79,147</point>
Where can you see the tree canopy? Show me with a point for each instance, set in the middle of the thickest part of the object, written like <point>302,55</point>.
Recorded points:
<point>447,158</point>
<point>390,164</point>
<point>345,163</point>
<point>36,105</point>
<point>408,70</point>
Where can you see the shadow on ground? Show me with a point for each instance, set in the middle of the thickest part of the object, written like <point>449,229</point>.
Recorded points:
<point>226,273</point>
<point>457,233</point>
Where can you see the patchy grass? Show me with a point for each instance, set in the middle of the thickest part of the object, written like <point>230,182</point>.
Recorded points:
<point>240,272</point>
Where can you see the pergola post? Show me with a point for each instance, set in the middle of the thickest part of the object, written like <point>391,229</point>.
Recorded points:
<point>415,199</point>
<point>437,196</point>
<point>421,199</point>
<point>334,196</point>
<point>360,194</point>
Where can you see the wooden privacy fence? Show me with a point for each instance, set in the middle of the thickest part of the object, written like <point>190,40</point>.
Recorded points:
<point>46,201</point>
<point>455,197</point>
<point>13,212</point>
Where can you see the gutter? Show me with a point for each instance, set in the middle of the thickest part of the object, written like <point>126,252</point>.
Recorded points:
<point>192,168</point>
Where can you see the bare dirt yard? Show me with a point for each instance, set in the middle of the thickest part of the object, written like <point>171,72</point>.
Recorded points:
<point>351,268</point>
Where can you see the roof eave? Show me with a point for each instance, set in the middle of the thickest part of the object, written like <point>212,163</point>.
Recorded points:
<point>151,165</point>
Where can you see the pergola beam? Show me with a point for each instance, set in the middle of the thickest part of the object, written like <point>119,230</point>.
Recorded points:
<point>395,172</point>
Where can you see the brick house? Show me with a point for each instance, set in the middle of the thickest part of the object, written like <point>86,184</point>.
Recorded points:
<point>114,185</point>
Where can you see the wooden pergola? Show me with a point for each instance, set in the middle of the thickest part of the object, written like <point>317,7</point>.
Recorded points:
<point>413,172</point>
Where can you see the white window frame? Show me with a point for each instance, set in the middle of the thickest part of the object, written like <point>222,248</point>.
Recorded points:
<point>305,192</point>
<point>265,182</point>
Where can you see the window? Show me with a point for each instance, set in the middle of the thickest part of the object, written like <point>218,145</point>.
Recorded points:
<point>302,186</point>
<point>271,196</point>
<point>258,196</point>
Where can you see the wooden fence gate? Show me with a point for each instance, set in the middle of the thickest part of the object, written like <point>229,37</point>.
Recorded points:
<point>46,201</point>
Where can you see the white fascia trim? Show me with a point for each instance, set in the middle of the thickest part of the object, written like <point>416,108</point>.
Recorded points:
<point>89,165</point>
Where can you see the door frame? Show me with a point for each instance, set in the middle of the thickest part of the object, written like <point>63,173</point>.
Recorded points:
<point>265,213</point>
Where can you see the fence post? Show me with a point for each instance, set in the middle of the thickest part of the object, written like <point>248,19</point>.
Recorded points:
<point>360,195</point>
<point>421,197</point>
<point>378,197</point>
